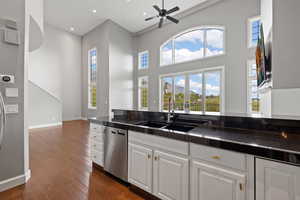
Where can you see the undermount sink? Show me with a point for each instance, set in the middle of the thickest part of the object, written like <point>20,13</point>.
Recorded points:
<point>153,124</point>
<point>176,127</point>
<point>163,125</point>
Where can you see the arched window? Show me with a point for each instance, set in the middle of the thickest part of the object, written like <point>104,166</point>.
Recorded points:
<point>193,44</point>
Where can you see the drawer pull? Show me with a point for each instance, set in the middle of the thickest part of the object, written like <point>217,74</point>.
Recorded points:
<point>216,157</point>
<point>156,158</point>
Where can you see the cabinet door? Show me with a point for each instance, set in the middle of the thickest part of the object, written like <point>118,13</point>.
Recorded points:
<point>209,182</point>
<point>277,181</point>
<point>140,167</point>
<point>170,176</point>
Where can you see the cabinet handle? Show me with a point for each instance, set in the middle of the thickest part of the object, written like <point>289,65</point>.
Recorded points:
<point>149,156</point>
<point>216,157</point>
<point>156,158</point>
<point>241,186</point>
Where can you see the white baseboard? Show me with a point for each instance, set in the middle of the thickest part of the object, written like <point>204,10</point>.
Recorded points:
<point>74,119</point>
<point>45,125</point>
<point>14,182</point>
<point>27,176</point>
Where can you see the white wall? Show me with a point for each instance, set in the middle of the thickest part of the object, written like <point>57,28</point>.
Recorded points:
<point>286,43</point>
<point>120,68</point>
<point>114,68</point>
<point>44,109</point>
<point>56,68</point>
<point>97,38</point>
<point>233,15</point>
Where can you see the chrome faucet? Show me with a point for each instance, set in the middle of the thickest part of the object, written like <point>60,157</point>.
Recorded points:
<point>170,113</point>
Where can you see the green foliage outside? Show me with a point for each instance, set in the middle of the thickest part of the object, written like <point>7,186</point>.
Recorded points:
<point>144,97</point>
<point>255,105</point>
<point>212,103</point>
<point>94,96</point>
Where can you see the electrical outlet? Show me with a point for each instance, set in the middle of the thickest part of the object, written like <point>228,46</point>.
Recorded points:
<point>12,108</point>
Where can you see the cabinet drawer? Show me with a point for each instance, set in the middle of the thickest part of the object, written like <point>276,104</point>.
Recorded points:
<point>97,146</point>
<point>96,128</point>
<point>159,142</point>
<point>97,137</point>
<point>98,157</point>
<point>219,156</point>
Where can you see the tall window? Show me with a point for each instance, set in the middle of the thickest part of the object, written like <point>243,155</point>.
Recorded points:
<point>253,95</point>
<point>193,44</point>
<point>254,31</point>
<point>199,91</point>
<point>143,93</point>
<point>92,78</point>
<point>144,60</point>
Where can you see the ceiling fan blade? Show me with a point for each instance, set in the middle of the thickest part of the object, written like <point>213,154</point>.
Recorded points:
<point>160,22</point>
<point>157,8</point>
<point>176,21</point>
<point>172,10</point>
<point>149,18</point>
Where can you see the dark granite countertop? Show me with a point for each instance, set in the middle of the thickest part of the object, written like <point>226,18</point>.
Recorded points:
<point>281,146</point>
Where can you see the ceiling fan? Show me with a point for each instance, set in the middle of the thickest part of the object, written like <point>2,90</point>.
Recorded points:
<point>164,14</point>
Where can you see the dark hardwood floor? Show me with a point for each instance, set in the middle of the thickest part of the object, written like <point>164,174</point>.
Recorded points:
<point>62,170</point>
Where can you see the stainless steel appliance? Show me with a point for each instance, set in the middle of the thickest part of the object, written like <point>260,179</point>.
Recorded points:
<point>116,153</point>
<point>2,119</point>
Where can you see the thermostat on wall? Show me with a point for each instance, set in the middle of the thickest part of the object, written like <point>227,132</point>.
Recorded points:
<point>4,78</point>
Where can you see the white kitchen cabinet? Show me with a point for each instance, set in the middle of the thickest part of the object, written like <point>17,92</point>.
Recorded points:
<point>140,166</point>
<point>211,182</point>
<point>170,176</point>
<point>97,143</point>
<point>277,181</point>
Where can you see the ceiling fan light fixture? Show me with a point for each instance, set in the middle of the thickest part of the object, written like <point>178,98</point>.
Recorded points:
<point>164,14</point>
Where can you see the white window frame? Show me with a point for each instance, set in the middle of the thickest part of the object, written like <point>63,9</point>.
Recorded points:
<point>139,60</point>
<point>139,94</point>
<point>89,78</point>
<point>205,28</point>
<point>250,20</point>
<point>187,87</point>
<point>249,89</point>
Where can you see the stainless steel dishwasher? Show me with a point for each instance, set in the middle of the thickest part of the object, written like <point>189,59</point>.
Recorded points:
<point>116,153</point>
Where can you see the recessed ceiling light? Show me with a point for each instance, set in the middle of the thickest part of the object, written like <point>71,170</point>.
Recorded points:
<point>128,1</point>
<point>144,13</point>
<point>72,29</point>
<point>94,11</point>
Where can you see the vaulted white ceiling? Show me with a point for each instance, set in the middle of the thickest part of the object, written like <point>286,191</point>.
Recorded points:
<point>130,14</point>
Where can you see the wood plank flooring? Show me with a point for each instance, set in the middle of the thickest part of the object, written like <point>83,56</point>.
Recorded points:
<point>61,168</point>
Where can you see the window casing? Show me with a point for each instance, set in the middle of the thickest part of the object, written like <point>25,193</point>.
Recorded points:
<point>194,92</point>
<point>143,93</point>
<point>144,60</point>
<point>253,31</point>
<point>253,100</point>
<point>92,78</point>
<point>197,43</point>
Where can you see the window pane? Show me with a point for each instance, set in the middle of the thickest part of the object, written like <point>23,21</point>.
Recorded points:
<point>143,93</point>
<point>143,60</point>
<point>255,26</point>
<point>92,78</point>
<point>179,82</point>
<point>166,92</point>
<point>254,95</point>
<point>196,103</point>
<point>166,54</point>
<point>212,91</point>
<point>189,46</point>
<point>215,42</point>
